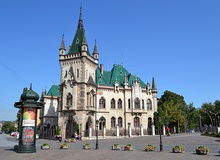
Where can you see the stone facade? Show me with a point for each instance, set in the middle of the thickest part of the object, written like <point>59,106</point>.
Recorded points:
<point>116,102</point>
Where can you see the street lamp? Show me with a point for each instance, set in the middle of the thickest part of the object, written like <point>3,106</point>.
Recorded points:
<point>97,143</point>
<point>161,144</point>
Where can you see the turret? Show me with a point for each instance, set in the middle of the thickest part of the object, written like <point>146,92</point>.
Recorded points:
<point>84,46</point>
<point>62,47</point>
<point>95,52</point>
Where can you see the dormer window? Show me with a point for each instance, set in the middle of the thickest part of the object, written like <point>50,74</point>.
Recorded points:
<point>77,41</point>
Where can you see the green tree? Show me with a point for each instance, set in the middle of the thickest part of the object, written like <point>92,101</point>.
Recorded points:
<point>210,112</point>
<point>205,110</point>
<point>57,130</point>
<point>8,127</point>
<point>174,110</point>
<point>192,117</point>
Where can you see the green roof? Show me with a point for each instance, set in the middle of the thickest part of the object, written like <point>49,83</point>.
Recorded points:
<point>79,37</point>
<point>118,73</point>
<point>54,91</point>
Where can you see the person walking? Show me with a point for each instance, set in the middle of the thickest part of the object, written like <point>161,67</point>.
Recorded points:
<point>167,131</point>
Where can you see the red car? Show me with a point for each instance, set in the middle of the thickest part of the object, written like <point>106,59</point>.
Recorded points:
<point>14,134</point>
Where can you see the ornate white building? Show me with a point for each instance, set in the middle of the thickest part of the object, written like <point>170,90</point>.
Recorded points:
<point>120,102</point>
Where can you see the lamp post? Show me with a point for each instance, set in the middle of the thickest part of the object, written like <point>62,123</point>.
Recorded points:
<point>97,141</point>
<point>161,144</point>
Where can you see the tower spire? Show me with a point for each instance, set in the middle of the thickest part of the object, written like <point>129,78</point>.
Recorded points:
<point>153,84</point>
<point>62,49</point>
<point>62,45</point>
<point>95,51</point>
<point>80,23</point>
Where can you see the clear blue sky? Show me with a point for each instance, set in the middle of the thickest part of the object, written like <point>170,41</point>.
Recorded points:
<point>176,41</point>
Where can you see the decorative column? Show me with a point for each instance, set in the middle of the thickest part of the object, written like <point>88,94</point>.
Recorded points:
<point>117,131</point>
<point>153,129</point>
<point>141,130</point>
<point>129,130</point>
<point>28,106</point>
<point>90,132</point>
<point>164,131</point>
<point>174,129</point>
<point>104,132</point>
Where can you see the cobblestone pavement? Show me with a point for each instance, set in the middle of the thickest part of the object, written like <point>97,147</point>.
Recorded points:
<point>75,151</point>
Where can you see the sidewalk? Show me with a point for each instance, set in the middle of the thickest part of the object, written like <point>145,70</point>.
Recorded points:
<point>75,152</point>
<point>4,142</point>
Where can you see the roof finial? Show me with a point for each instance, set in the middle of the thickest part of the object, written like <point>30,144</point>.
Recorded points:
<point>95,51</point>
<point>31,86</point>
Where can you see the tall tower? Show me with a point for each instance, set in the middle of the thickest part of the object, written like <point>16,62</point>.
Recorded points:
<point>77,84</point>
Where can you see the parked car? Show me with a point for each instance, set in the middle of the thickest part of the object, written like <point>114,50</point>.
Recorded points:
<point>14,134</point>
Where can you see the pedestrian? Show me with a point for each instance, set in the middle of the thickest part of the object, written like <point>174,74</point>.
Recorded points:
<point>167,131</point>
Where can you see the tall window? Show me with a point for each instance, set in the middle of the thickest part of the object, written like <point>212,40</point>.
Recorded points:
<point>113,122</point>
<point>149,104</point>
<point>77,73</point>
<point>142,104</point>
<point>113,103</point>
<point>137,103</point>
<point>119,104</point>
<point>136,122</point>
<point>129,103</point>
<point>69,99</point>
<point>120,122</point>
<point>101,123</point>
<point>102,102</point>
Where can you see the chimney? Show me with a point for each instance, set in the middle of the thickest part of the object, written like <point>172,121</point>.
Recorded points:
<point>102,68</point>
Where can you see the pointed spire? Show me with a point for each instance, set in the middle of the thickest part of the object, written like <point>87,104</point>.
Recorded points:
<point>153,84</point>
<point>80,23</point>
<point>62,45</point>
<point>95,51</point>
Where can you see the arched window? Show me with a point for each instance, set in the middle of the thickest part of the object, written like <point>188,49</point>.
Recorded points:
<point>120,122</point>
<point>129,103</point>
<point>113,103</point>
<point>101,123</point>
<point>137,103</point>
<point>136,122</point>
<point>119,104</point>
<point>102,102</point>
<point>69,99</point>
<point>142,104</point>
<point>149,104</point>
<point>113,122</point>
